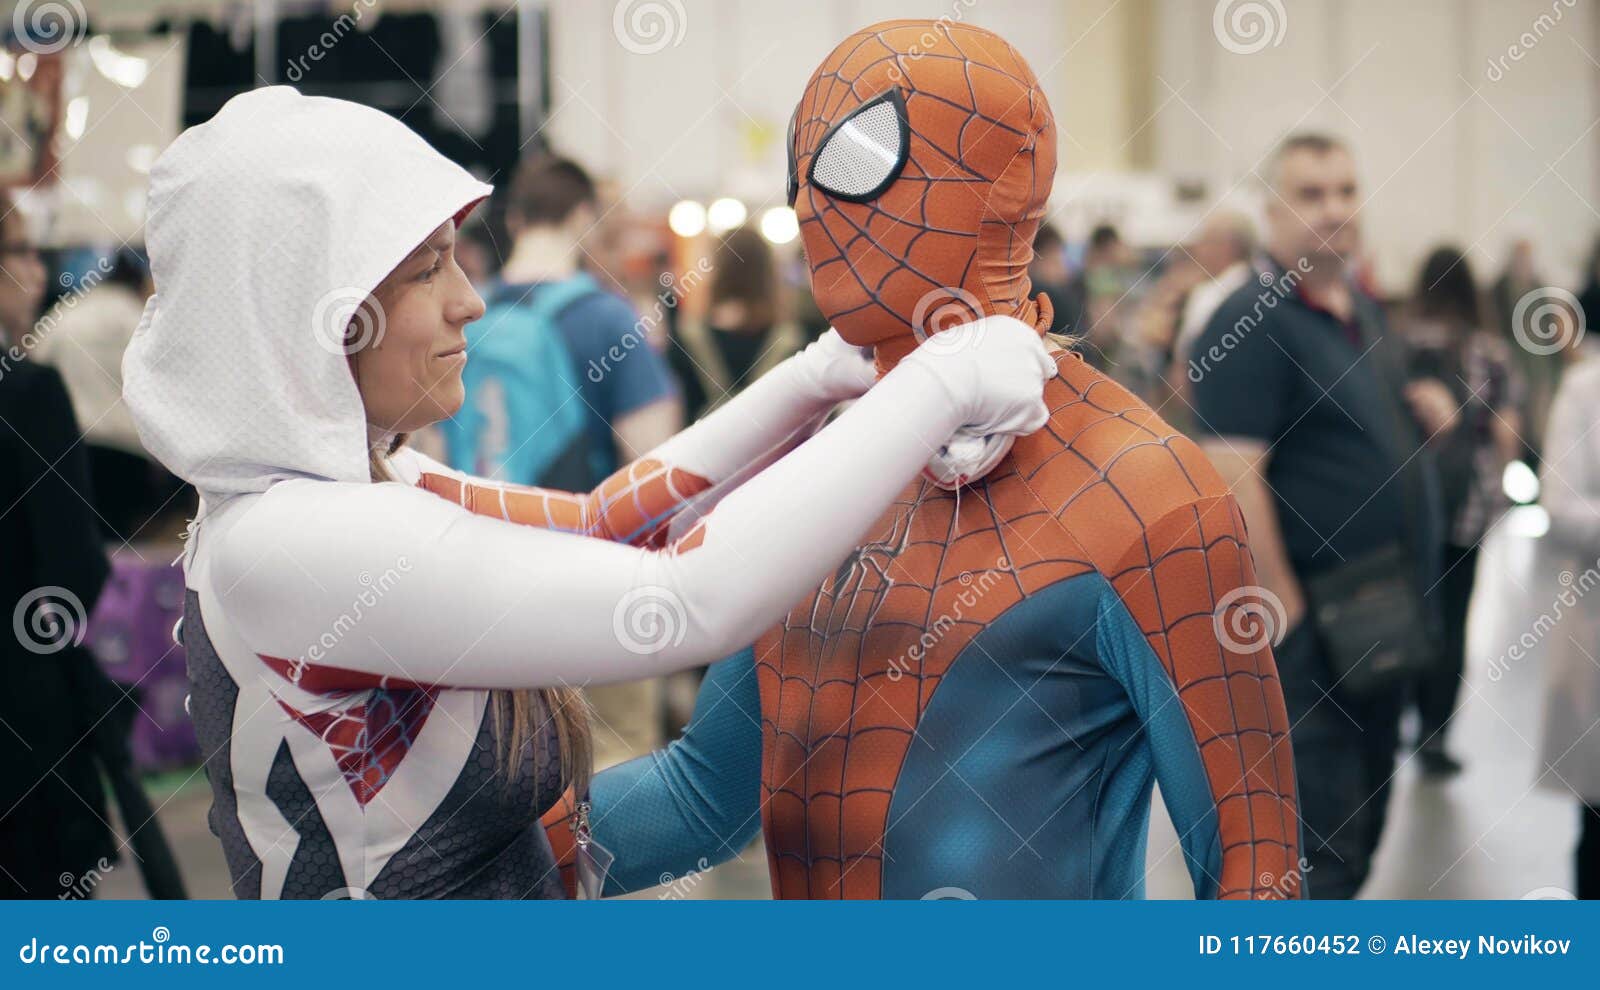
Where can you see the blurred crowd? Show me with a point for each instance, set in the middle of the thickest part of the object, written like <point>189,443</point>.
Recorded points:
<point>1372,442</point>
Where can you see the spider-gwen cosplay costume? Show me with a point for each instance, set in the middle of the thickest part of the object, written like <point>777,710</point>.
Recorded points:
<point>978,702</point>
<point>344,636</point>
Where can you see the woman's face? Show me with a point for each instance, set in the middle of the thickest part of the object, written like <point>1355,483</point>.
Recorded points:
<point>409,374</point>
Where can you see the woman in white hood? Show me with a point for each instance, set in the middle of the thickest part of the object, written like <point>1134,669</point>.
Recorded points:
<point>382,680</point>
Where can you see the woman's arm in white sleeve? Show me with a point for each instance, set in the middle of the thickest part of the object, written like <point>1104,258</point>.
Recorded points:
<point>785,402</point>
<point>389,581</point>
<point>636,504</point>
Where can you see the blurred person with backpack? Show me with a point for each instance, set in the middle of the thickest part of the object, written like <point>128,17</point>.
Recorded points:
<point>563,387</point>
<point>525,404</point>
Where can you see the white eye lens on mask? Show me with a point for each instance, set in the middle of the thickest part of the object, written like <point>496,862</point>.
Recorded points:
<point>863,154</point>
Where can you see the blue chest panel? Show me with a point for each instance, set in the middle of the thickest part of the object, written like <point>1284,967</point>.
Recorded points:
<point>1031,772</point>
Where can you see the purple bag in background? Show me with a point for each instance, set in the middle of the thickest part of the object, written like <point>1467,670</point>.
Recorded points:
<point>130,633</point>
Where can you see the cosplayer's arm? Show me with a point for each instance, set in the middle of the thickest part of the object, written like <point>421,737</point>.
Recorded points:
<point>688,807</point>
<point>1178,629</point>
<point>364,581</point>
<point>635,504</point>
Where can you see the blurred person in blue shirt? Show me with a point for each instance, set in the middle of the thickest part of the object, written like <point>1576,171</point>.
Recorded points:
<point>563,386</point>
<point>575,353</point>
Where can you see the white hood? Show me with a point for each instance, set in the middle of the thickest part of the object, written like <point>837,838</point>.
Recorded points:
<point>268,225</point>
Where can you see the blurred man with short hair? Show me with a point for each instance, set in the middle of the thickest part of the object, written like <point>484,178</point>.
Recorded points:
<point>1302,399</point>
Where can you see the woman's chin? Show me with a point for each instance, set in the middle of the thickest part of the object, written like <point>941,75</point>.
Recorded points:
<point>447,392</point>
<point>439,403</point>
<point>450,396</point>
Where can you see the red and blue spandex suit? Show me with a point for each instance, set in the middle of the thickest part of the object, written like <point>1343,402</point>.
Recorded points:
<point>979,701</point>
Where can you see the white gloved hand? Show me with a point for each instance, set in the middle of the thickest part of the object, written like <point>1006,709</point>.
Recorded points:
<point>966,458</point>
<point>994,370</point>
<point>833,371</point>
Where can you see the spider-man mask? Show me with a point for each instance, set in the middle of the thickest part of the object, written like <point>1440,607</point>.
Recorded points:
<point>920,159</point>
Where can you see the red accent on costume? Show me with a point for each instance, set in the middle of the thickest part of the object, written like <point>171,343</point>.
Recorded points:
<point>370,739</point>
<point>325,680</point>
<point>632,506</point>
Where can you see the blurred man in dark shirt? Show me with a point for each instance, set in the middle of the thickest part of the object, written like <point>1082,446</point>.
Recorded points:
<point>1303,401</point>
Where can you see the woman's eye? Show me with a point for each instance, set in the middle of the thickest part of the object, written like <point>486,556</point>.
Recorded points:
<point>428,275</point>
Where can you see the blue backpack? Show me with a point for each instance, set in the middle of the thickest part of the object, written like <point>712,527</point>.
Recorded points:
<point>523,419</point>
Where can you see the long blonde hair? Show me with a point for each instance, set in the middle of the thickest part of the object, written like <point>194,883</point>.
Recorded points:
<point>519,715</point>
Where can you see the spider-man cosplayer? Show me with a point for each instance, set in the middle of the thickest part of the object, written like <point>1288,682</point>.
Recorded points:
<point>981,698</point>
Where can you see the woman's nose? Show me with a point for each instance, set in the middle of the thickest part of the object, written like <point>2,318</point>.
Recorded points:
<point>468,307</point>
